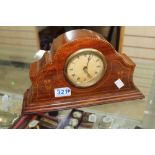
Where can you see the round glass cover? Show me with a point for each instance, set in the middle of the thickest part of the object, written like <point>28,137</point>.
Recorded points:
<point>85,67</point>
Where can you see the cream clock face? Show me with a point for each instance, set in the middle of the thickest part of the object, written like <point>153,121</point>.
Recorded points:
<point>85,67</point>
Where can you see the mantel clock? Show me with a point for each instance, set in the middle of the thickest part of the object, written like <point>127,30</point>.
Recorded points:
<point>81,69</point>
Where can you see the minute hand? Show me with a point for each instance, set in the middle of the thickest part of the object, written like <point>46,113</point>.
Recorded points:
<point>89,58</point>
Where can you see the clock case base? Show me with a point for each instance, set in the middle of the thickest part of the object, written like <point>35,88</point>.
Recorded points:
<point>48,74</point>
<point>86,101</point>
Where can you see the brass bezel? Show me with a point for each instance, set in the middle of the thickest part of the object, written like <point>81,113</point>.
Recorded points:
<point>92,82</point>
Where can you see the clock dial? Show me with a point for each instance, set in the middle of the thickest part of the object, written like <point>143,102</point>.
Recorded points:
<point>85,67</point>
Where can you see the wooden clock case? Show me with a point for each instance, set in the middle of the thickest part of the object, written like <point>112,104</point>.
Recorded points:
<point>48,74</point>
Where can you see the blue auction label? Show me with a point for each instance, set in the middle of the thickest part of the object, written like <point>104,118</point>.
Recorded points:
<point>61,92</point>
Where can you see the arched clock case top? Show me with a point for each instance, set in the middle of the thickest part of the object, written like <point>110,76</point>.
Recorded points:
<point>49,73</point>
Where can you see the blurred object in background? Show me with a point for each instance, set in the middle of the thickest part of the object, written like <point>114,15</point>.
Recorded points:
<point>10,108</point>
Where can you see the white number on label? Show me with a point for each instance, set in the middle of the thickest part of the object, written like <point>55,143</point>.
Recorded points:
<point>61,92</point>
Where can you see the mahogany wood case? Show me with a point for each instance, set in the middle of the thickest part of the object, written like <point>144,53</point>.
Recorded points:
<point>48,74</point>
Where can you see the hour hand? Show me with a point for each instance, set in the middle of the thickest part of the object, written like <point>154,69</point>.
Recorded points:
<point>85,69</point>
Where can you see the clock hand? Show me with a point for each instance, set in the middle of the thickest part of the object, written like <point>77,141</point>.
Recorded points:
<point>85,69</point>
<point>89,58</point>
